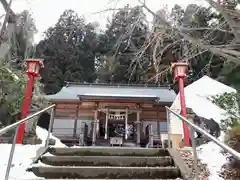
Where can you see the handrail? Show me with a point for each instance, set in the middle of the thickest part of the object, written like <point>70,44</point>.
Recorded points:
<point>12,126</point>
<point>16,126</point>
<point>209,136</point>
<point>194,128</point>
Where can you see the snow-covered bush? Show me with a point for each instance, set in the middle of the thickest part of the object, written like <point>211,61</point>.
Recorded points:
<point>230,103</point>
<point>232,139</point>
<point>231,125</point>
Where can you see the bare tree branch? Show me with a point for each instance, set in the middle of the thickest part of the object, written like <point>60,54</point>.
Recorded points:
<point>223,9</point>
<point>203,29</point>
<point>8,13</point>
<point>6,7</point>
<point>154,14</point>
<point>112,9</point>
<point>197,42</point>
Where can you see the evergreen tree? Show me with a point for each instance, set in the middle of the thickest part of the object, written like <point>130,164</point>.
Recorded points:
<point>68,51</point>
<point>12,71</point>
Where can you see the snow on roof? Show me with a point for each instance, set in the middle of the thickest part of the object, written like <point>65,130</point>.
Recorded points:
<point>197,97</point>
<point>205,108</point>
<point>121,95</point>
<point>207,86</point>
<point>72,92</point>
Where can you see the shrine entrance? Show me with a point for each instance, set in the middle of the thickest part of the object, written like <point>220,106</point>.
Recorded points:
<point>116,129</point>
<point>117,126</point>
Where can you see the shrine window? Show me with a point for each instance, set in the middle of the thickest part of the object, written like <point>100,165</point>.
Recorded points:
<point>163,127</point>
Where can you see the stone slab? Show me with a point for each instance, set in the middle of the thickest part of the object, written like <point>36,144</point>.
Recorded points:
<point>121,151</point>
<point>109,179</point>
<point>127,161</point>
<point>106,172</point>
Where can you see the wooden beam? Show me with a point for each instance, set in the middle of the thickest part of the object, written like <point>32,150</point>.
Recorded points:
<point>75,122</point>
<point>145,119</point>
<point>118,110</point>
<point>124,105</point>
<point>59,116</point>
<point>116,104</point>
<point>145,115</point>
<point>67,105</point>
<point>65,110</point>
<point>131,110</point>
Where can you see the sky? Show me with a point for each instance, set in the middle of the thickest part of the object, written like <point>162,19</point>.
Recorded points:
<point>47,12</point>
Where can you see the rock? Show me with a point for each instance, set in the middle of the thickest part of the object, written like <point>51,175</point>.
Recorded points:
<point>230,173</point>
<point>52,142</point>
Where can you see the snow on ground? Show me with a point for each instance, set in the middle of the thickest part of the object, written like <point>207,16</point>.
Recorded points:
<point>199,100</point>
<point>42,134</point>
<point>211,155</point>
<point>23,157</point>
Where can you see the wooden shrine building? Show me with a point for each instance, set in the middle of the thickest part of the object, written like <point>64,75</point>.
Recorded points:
<point>104,114</point>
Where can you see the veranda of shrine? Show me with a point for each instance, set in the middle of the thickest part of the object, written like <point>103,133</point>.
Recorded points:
<point>98,110</point>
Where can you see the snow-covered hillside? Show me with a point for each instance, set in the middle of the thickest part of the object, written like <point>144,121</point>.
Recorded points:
<point>211,155</point>
<point>199,100</point>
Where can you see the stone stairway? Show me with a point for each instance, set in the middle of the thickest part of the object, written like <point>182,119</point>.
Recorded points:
<point>109,163</point>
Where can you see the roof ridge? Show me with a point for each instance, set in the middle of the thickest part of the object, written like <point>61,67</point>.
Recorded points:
<point>67,84</point>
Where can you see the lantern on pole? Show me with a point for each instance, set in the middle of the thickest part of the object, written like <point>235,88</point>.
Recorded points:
<point>180,72</point>
<point>33,68</point>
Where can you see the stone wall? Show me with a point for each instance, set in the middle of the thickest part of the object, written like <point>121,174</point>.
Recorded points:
<point>27,140</point>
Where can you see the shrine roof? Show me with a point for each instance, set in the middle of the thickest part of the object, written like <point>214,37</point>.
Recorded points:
<point>75,92</point>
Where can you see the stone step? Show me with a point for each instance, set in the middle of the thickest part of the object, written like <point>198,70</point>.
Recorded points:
<point>127,161</point>
<point>88,172</point>
<point>110,151</point>
<point>109,179</point>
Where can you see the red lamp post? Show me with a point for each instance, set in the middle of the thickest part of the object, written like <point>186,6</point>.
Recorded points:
<point>179,71</point>
<point>33,67</point>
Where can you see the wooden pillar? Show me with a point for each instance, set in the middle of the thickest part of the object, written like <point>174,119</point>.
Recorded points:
<point>75,122</point>
<point>158,124</point>
<point>151,136</point>
<point>126,124</point>
<point>106,125</point>
<point>94,127</point>
<point>138,128</point>
<point>97,118</point>
<point>97,133</point>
